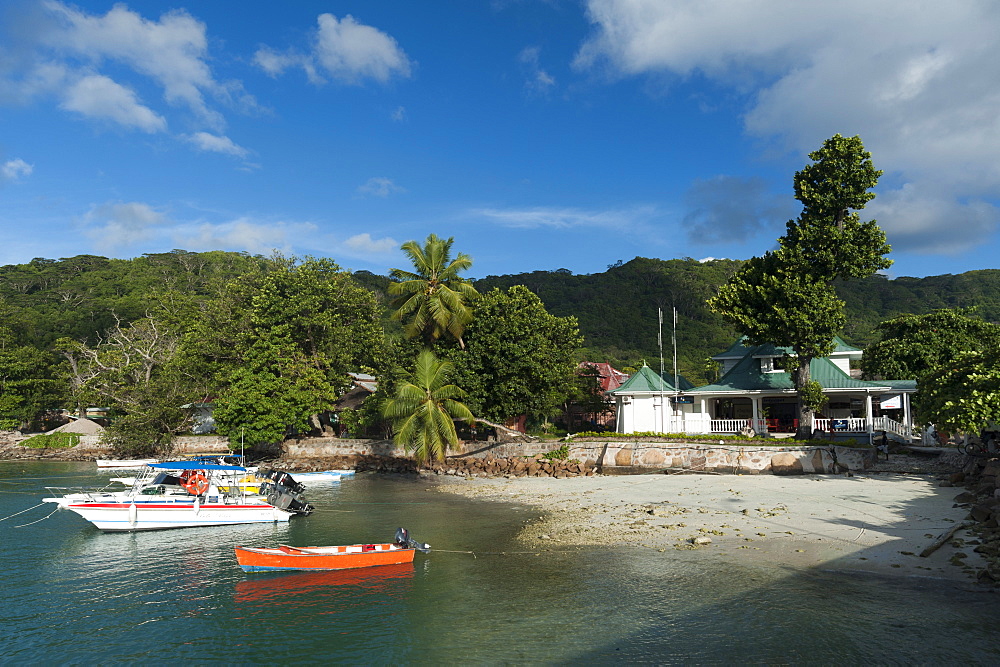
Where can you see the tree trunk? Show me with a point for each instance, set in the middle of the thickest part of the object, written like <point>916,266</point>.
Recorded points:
<point>507,431</point>
<point>807,415</point>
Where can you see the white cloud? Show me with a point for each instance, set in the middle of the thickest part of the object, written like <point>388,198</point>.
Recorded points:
<point>916,82</point>
<point>13,170</point>
<point>399,114</point>
<point>379,186</point>
<point>564,218</point>
<point>95,64</point>
<point>923,221</point>
<point>364,244</point>
<point>172,51</point>
<point>122,224</point>
<point>537,79</point>
<point>241,234</point>
<point>345,50</point>
<point>216,144</point>
<point>100,97</point>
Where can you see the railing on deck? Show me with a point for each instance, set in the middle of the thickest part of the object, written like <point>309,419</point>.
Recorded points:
<point>737,425</point>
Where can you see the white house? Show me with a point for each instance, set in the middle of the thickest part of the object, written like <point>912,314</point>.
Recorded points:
<point>755,391</point>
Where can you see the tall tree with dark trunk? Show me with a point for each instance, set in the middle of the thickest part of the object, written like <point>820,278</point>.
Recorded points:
<point>787,297</point>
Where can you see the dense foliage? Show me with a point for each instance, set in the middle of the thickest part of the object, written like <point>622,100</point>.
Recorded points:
<point>955,358</point>
<point>250,331</point>
<point>519,360</point>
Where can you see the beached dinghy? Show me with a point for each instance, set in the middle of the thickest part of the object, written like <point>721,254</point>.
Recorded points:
<point>316,477</point>
<point>253,559</point>
<point>124,464</point>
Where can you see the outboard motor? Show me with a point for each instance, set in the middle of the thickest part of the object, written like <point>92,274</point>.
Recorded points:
<point>284,492</point>
<point>403,540</point>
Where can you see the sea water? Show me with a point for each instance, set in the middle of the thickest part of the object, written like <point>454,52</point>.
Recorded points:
<point>74,595</point>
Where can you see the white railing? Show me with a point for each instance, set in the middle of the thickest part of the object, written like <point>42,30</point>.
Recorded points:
<point>737,425</point>
<point>845,425</point>
<point>890,426</point>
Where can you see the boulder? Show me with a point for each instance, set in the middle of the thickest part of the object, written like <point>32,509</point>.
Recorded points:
<point>785,463</point>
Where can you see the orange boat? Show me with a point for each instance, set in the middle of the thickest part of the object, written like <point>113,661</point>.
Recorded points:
<point>284,557</point>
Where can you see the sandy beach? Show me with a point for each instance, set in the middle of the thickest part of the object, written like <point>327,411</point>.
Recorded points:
<point>867,522</point>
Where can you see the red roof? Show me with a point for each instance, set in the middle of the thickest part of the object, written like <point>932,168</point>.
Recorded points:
<point>608,377</point>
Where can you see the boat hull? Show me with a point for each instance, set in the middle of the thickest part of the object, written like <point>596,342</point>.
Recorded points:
<point>128,517</point>
<point>321,558</point>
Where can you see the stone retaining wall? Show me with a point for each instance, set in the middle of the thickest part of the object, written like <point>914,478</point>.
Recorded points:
<point>604,456</point>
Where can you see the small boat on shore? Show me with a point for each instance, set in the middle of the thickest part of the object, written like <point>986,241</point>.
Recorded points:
<point>125,464</point>
<point>284,557</point>
<point>322,476</point>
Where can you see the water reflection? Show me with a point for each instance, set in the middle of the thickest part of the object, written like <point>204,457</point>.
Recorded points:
<point>287,587</point>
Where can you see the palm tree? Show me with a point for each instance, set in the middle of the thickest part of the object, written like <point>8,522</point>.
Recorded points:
<point>425,409</point>
<point>433,299</point>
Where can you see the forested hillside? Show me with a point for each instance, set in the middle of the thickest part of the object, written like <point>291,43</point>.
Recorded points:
<point>81,297</point>
<point>617,309</point>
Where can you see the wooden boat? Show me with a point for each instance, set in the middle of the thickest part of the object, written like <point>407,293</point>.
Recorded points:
<point>284,557</point>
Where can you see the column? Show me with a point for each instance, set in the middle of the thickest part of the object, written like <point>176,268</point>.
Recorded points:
<point>868,411</point>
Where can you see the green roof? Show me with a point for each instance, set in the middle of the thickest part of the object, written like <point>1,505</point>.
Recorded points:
<point>747,376</point>
<point>646,379</point>
<point>739,349</point>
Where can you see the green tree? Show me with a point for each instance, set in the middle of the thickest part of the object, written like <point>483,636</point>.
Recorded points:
<point>425,409</point>
<point>936,349</point>
<point>787,297</point>
<point>963,393</point>
<point>519,360</point>
<point>433,300</point>
<point>279,344</point>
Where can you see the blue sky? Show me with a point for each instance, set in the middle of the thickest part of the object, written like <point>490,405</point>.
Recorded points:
<point>540,134</point>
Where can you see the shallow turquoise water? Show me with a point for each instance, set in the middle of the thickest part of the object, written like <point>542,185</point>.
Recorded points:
<point>74,595</point>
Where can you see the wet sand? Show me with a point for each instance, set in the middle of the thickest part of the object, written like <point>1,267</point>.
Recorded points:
<point>867,522</point>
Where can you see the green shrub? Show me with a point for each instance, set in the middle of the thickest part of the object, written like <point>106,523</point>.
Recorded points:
<point>52,441</point>
<point>557,454</point>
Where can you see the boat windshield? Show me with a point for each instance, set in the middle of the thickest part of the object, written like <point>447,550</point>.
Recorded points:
<point>165,478</point>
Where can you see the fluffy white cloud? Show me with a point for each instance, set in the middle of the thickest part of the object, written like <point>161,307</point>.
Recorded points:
<point>924,221</point>
<point>94,64</point>
<point>916,82</point>
<point>242,234</point>
<point>216,144</point>
<point>172,51</point>
<point>122,224</point>
<point>100,97</point>
<point>12,170</point>
<point>343,49</point>
<point>379,186</point>
<point>364,244</point>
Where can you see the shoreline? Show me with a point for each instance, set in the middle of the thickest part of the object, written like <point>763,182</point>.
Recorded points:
<point>875,523</point>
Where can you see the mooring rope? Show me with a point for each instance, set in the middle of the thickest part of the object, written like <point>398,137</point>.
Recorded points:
<point>40,520</point>
<point>22,512</point>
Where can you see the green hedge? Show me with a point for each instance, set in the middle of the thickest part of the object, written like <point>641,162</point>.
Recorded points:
<point>52,441</point>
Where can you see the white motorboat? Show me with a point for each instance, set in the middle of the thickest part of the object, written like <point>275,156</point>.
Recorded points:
<point>181,494</point>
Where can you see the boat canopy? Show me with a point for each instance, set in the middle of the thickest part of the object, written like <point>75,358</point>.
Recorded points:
<point>194,465</point>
